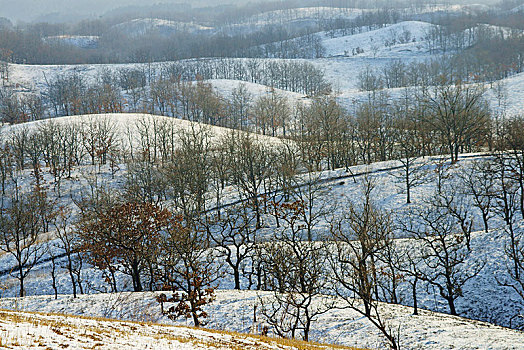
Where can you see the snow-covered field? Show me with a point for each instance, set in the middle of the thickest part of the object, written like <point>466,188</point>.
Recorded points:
<point>22,330</point>
<point>403,39</point>
<point>233,311</point>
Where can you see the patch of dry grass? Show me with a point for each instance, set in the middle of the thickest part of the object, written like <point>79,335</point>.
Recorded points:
<point>64,326</point>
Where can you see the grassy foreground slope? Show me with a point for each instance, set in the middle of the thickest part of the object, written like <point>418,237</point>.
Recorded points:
<point>22,330</point>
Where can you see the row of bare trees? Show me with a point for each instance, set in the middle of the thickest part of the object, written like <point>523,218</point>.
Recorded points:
<point>323,135</point>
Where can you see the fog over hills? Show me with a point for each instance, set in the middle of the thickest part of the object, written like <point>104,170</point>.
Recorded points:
<point>68,10</point>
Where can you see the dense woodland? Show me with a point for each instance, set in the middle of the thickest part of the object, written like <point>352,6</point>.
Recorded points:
<point>178,209</point>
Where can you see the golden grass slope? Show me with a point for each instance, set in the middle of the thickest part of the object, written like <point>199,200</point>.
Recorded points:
<point>22,330</point>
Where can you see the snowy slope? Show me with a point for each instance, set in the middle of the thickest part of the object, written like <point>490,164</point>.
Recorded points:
<point>511,101</point>
<point>225,87</point>
<point>85,42</point>
<point>128,125</point>
<point>52,331</point>
<point>403,37</point>
<point>483,297</point>
<point>233,310</point>
<point>341,72</point>
<point>32,78</point>
<point>141,26</point>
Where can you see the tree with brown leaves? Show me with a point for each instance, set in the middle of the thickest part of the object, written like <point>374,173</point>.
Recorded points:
<point>190,271</point>
<point>127,235</point>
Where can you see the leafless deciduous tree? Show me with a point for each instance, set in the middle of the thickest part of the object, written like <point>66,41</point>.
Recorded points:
<point>459,113</point>
<point>296,269</point>
<point>447,262</point>
<point>69,243</point>
<point>251,167</point>
<point>234,234</point>
<point>20,227</point>
<point>410,149</point>
<point>360,236</point>
<point>479,182</point>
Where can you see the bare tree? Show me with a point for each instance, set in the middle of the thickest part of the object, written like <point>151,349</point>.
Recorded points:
<point>360,236</point>
<point>99,137</point>
<point>298,275</point>
<point>271,113</point>
<point>239,107</point>
<point>459,113</point>
<point>507,205</point>
<point>251,167</point>
<point>316,205</point>
<point>414,169</point>
<point>188,177</point>
<point>479,182</point>
<point>52,256</point>
<point>235,237</point>
<point>20,229</point>
<point>446,256</point>
<point>69,243</point>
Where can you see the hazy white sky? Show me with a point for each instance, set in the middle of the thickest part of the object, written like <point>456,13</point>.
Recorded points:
<point>28,10</point>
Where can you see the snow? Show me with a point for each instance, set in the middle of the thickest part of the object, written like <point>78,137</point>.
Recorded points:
<point>226,86</point>
<point>128,125</point>
<point>52,331</point>
<point>233,310</point>
<point>397,40</point>
<point>82,41</point>
<point>484,298</point>
<point>342,72</point>
<point>141,26</point>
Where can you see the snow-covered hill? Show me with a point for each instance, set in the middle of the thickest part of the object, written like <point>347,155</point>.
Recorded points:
<point>233,310</point>
<point>226,86</point>
<point>81,41</point>
<point>142,26</point>
<point>302,14</point>
<point>21,330</point>
<point>128,128</point>
<point>127,124</point>
<point>404,38</point>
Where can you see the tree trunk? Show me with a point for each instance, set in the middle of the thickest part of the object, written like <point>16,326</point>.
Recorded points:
<point>53,276</point>
<point>236,275</point>
<point>21,278</point>
<point>70,269</point>
<point>135,275</point>
<point>485,219</point>
<point>415,300</point>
